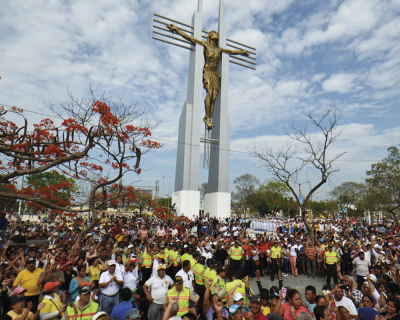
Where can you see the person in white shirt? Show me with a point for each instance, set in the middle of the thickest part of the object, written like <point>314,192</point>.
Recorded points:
<point>159,286</point>
<point>158,261</point>
<point>362,268</point>
<point>187,275</point>
<point>294,249</point>
<point>341,300</point>
<point>131,276</point>
<point>206,252</point>
<point>109,283</point>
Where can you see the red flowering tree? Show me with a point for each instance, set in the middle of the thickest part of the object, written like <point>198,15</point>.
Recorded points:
<point>94,141</point>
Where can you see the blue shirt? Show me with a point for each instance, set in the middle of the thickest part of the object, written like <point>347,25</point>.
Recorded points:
<point>119,311</point>
<point>205,230</point>
<point>303,256</point>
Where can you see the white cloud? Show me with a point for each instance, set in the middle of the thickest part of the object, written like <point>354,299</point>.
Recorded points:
<point>341,83</point>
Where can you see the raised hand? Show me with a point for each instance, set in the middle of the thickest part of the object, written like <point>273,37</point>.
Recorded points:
<point>174,300</point>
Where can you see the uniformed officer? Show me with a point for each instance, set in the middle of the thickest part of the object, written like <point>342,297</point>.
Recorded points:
<point>330,261</point>
<point>236,258</point>
<point>276,258</point>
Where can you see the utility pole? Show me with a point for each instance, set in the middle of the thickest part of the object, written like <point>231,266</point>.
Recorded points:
<point>163,190</point>
<point>169,190</point>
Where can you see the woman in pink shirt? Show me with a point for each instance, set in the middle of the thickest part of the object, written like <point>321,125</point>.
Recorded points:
<point>291,309</point>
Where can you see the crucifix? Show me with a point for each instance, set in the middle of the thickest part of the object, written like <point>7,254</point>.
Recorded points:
<point>208,69</point>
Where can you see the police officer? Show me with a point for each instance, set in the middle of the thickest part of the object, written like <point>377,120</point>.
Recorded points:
<point>276,258</point>
<point>330,261</point>
<point>198,271</point>
<point>236,258</point>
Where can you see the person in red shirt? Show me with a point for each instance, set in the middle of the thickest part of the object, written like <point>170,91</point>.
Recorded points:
<point>255,312</point>
<point>262,248</point>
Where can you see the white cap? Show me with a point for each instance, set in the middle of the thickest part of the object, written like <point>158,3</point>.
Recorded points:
<point>372,277</point>
<point>237,296</point>
<point>98,314</point>
<point>111,263</point>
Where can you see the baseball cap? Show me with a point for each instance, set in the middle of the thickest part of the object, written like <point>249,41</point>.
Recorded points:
<point>160,267</point>
<point>18,290</point>
<point>130,246</point>
<point>234,308</point>
<point>50,286</point>
<point>207,247</point>
<point>178,280</point>
<point>202,259</point>
<point>17,297</point>
<point>221,269</point>
<point>30,260</point>
<point>274,295</point>
<point>132,314</point>
<point>100,314</point>
<point>237,296</point>
<point>84,288</point>
<point>255,298</point>
<point>111,263</point>
<point>373,277</point>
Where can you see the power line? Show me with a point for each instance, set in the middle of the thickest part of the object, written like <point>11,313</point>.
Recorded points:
<point>186,143</point>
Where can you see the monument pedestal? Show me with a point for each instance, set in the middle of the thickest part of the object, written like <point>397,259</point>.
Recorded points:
<point>187,202</point>
<point>218,204</point>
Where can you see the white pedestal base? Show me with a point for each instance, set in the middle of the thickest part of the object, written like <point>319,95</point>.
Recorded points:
<point>218,204</point>
<point>187,203</point>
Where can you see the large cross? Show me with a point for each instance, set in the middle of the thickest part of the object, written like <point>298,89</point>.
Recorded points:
<point>216,141</point>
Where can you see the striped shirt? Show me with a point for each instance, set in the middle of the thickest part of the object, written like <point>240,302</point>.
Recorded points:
<point>311,253</point>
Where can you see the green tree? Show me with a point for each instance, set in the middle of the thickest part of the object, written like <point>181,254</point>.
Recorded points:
<point>349,196</point>
<point>384,182</point>
<point>269,198</point>
<point>245,189</point>
<point>59,188</point>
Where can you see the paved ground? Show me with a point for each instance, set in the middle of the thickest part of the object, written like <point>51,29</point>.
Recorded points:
<point>292,282</point>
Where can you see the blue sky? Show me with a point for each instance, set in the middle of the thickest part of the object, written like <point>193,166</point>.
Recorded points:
<point>311,54</point>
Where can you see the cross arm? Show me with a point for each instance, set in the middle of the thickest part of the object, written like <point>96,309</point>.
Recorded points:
<point>174,29</point>
<point>235,52</point>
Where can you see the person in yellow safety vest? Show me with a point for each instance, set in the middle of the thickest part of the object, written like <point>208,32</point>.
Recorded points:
<point>242,287</point>
<point>276,258</point>
<point>186,255</point>
<point>85,308</point>
<point>184,294</point>
<point>175,259</point>
<point>219,283</point>
<point>147,265</point>
<point>163,253</point>
<point>330,261</point>
<point>209,272</point>
<point>195,259</point>
<point>236,258</point>
<point>198,278</point>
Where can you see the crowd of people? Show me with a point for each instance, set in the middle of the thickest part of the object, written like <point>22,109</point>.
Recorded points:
<point>141,267</point>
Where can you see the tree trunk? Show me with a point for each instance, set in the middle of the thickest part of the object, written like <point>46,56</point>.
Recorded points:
<point>396,220</point>
<point>94,222</point>
<point>309,227</point>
